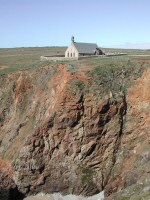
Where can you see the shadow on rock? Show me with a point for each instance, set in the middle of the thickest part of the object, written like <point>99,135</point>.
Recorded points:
<point>11,194</point>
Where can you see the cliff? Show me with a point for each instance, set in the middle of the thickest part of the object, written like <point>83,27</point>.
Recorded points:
<point>78,132</point>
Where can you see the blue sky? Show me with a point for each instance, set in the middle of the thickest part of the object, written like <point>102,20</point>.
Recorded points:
<point>25,23</point>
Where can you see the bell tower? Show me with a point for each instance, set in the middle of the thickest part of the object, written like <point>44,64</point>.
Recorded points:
<point>72,39</point>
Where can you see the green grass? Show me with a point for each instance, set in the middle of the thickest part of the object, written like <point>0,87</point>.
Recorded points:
<point>127,51</point>
<point>26,55</point>
<point>15,59</point>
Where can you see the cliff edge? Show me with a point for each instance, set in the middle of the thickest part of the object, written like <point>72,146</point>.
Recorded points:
<point>75,132</point>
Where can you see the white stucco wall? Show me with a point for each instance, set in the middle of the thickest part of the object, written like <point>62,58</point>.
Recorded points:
<point>71,52</point>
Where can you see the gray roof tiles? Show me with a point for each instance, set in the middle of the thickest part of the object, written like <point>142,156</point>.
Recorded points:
<point>87,48</point>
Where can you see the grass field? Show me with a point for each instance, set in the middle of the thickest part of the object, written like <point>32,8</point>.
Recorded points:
<point>14,59</point>
<point>24,58</point>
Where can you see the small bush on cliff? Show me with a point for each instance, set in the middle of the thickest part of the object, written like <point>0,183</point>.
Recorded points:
<point>109,78</point>
<point>87,176</point>
<point>75,86</point>
<point>115,77</point>
<point>79,84</point>
<point>124,198</point>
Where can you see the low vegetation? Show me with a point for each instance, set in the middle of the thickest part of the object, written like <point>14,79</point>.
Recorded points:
<point>15,59</point>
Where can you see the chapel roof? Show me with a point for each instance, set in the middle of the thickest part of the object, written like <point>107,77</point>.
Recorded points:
<point>88,48</point>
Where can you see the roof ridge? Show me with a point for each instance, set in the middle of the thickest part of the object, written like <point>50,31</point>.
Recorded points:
<point>84,43</point>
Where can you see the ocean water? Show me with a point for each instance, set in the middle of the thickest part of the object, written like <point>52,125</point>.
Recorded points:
<point>58,196</point>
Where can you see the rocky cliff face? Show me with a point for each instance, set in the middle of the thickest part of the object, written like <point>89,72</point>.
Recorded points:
<point>61,136</point>
<point>131,174</point>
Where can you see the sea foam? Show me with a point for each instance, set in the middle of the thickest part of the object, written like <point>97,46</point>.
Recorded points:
<point>58,196</point>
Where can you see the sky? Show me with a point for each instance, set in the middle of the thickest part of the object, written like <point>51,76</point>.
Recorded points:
<point>109,23</point>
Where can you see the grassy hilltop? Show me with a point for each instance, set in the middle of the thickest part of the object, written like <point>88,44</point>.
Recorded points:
<point>14,59</point>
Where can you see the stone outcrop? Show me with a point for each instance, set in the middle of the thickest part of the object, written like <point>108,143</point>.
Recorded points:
<point>73,150</point>
<point>60,137</point>
<point>8,188</point>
